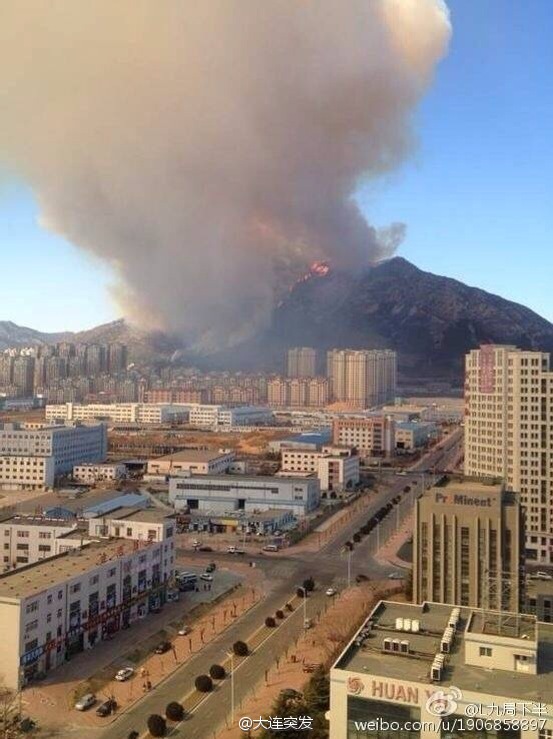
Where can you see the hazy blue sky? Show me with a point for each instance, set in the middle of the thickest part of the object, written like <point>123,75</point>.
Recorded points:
<point>476,197</point>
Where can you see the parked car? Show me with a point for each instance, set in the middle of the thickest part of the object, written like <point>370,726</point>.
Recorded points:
<point>396,576</point>
<point>307,623</point>
<point>124,674</point>
<point>184,630</point>
<point>205,549</point>
<point>211,567</point>
<point>206,576</point>
<point>172,596</point>
<point>271,548</point>
<point>106,708</point>
<point>163,647</point>
<point>542,576</point>
<point>86,702</point>
<point>330,592</point>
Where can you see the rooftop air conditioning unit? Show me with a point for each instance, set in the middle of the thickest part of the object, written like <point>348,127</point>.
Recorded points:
<point>399,624</point>
<point>404,647</point>
<point>407,624</point>
<point>395,645</point>
<point>436,673</point>
<point>415,626</point>
<point>387,645</point>
<point>444,646</point>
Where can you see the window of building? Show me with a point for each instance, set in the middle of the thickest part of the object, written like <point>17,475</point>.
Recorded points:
<point>485,651</point>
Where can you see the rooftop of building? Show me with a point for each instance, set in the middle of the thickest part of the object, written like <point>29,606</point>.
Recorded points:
<point>35,578</point>
<point>192,455</point>
<point>414,425</point>
<point>38,521</point>
<point>142,515</point>
<point>78,500</point>
<point>237,479</point>
<point>367,655</point>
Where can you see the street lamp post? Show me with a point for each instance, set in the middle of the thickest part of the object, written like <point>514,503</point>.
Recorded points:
<point>304,591</point>
<point>350,552</point>
<point>231,655</point>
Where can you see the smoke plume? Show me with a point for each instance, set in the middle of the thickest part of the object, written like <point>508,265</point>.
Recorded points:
<point>204,148</point>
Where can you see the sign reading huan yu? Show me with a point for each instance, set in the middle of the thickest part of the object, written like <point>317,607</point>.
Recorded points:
<point>487,369</point>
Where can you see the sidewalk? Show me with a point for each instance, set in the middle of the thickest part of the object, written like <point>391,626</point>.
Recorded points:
<point>51,702</point>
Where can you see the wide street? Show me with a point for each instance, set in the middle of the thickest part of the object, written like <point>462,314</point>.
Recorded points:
<point>285,572</point>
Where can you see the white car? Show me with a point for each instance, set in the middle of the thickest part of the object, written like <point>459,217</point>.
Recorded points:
<point>205,576</point>
<point>86,702</point>
<point>231,550</point>
<point>124,674</point>
<point>543,576</point>
<point>396,576</point>
<point>184,630</point>
<point>330,592</point>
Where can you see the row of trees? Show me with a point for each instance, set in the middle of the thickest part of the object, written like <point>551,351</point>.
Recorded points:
<point>157,724</point>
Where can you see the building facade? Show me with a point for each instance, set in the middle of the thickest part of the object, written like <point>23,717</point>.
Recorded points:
<point>93,473</point>
<point>362,378</point>
<point>302,362</point>
<point>509,432</point>
<point>468,545</point>
<point>238,492</point>
<point>32,457</point>
<point>286,392</point>
<point>193,462</point>
<point>371,436</point>
<point>123,413</point>
<point>67,604</point>
<point>336,467</point>
<point>435,671</point>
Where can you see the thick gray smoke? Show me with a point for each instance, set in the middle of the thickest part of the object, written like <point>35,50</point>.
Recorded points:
<point>205,147</point>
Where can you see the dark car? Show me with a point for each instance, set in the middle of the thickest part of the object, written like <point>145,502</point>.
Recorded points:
<point>205,549</point>
<point>133,735</point>
<point>211,567</point>
<point>106,708</point>
<point>165,646</point>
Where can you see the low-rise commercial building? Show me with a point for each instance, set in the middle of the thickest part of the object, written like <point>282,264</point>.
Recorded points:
<point>225,493</point>
<point>138,524</point>
<point>336,467</point>
<point>28,539</point>
<point>192,461</point>
<point>56,608</point>
<point>119,413</point>
<point>411,435</point>
<point>262,522</point>
<point>372,435</point>
<point>395,676</point>
<point>219,416</point>
<point>92,473</point>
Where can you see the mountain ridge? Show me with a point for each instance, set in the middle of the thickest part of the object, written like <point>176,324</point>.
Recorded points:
<point>430,320</point>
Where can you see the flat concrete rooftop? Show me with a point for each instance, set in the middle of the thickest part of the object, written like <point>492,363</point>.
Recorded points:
<point>33,579</point>
<point>370,658</point>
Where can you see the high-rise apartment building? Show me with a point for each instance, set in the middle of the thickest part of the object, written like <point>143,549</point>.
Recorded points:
<point>469,545</point>
<point>302,362</point>
<point>301,392</point>
<point>509,432</point>
<point>23,375</point>
<point>361,378</point>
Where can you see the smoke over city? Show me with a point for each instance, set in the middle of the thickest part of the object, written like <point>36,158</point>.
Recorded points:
<point>208,150</point>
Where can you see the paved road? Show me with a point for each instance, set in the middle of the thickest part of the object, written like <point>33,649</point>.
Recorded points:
<point>285,571</point>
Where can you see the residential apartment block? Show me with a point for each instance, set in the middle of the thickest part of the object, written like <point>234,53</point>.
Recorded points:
<point>509,432</point>
<point>362,378</point>
<point>301,392</point>
<point>302,362</point>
